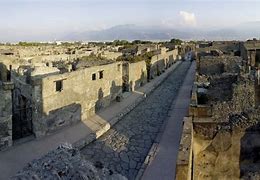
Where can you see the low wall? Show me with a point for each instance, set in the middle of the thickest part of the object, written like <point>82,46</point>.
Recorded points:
<point>184,160</point>
<point>200,111</point>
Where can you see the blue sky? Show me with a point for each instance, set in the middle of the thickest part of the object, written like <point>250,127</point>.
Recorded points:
<point>43,17</point>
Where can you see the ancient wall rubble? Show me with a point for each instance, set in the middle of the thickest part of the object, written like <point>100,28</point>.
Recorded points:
<point>65,163</point>
<point>225,121</point>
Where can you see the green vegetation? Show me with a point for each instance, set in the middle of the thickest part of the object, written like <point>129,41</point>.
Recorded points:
<point>176,41</point>
<point>127,43</point>
<point>118,43</point>
<point>192,42</point>
<point>93,57</point>
<point>141,42</point>
<point>71,43</point>
<point>132,59</point>
<point>33,44</point>
<point>23,43</point>
<point>97,43</point>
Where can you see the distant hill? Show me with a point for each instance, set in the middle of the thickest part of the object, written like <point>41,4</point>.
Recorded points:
<point>132,32</point>
<point>128,32</point>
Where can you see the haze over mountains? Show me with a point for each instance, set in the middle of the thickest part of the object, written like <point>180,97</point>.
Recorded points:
<point>131,32</point>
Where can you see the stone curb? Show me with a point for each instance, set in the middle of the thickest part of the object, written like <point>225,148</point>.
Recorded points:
<point>95,135</point>
<point>152,152</point>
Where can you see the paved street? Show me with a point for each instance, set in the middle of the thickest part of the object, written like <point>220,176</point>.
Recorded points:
<point>124,147</point>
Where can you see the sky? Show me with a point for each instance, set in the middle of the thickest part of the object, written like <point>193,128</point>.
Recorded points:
<point>51,18</point>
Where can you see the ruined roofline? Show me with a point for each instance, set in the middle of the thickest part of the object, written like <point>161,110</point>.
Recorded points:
<point>78,71</point>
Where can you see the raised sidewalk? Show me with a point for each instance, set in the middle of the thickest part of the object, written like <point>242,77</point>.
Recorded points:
<point>80,134</point>
<point>162,158</point>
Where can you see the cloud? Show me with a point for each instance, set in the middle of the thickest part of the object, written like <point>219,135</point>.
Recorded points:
<point>188,18</point>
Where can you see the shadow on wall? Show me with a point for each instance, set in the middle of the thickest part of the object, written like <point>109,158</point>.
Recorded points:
<point>140,82</point>
<point>104,101</point>
<point>250,153</point>
<point>57,119</point>
<point>28,116</point>
<point>5,73</point>
<point>73,113</point>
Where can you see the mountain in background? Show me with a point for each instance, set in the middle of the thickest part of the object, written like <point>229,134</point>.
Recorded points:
<point>132,32</point>
<point>243,31</point>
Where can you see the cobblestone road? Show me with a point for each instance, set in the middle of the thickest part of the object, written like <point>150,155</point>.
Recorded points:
<point>124,147</point>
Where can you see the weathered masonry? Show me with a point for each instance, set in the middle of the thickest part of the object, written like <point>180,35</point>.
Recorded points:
<point>5,114</point>
<point>64,99</point>
<point>6,87</point>
<point>161,61</point>
<point>134,75</point>
<point>250,52</point>
<point>41,99</point>
<point>220,138</point>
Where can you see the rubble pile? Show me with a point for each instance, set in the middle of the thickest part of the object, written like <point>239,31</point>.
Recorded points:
<point>65,163</point>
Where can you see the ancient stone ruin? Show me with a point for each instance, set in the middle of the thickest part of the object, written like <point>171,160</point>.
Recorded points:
<point>48,88</point>
<point>65,162</point>
<point>220,137</point>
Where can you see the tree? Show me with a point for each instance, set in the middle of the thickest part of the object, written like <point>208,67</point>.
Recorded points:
<point>176,41</point>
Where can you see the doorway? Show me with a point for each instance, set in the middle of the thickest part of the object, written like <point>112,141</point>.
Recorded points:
<point>22,116</point>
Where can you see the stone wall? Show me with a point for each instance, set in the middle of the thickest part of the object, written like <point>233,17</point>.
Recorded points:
<point>216,153</point>
<point>238,103</point>
<point>215,65</point>
<point>220,138</point>
<point>5,114</point>
<point>227,150</point>
<point>83,93</point>
<point>184,160</point>
<point>111,55</point>
<point>172,56</point>
<point>59,57</point>
<point>162,61</point>
<point>3,72</point>
<point>157,66</point>
<point>137,75</point>
<point>257,94</point>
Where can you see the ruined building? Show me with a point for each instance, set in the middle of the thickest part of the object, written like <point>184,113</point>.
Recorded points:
<point>220,137</point>
<point>39,99</point>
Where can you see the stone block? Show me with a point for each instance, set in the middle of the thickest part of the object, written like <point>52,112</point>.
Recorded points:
<point>222,141</point>
<point>8,86</point>
<point>4,129</point>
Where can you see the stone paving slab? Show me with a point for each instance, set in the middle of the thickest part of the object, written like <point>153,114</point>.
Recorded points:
<point>81,134</point>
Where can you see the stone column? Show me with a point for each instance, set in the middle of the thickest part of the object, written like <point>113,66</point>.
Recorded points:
<point>39,127</point>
